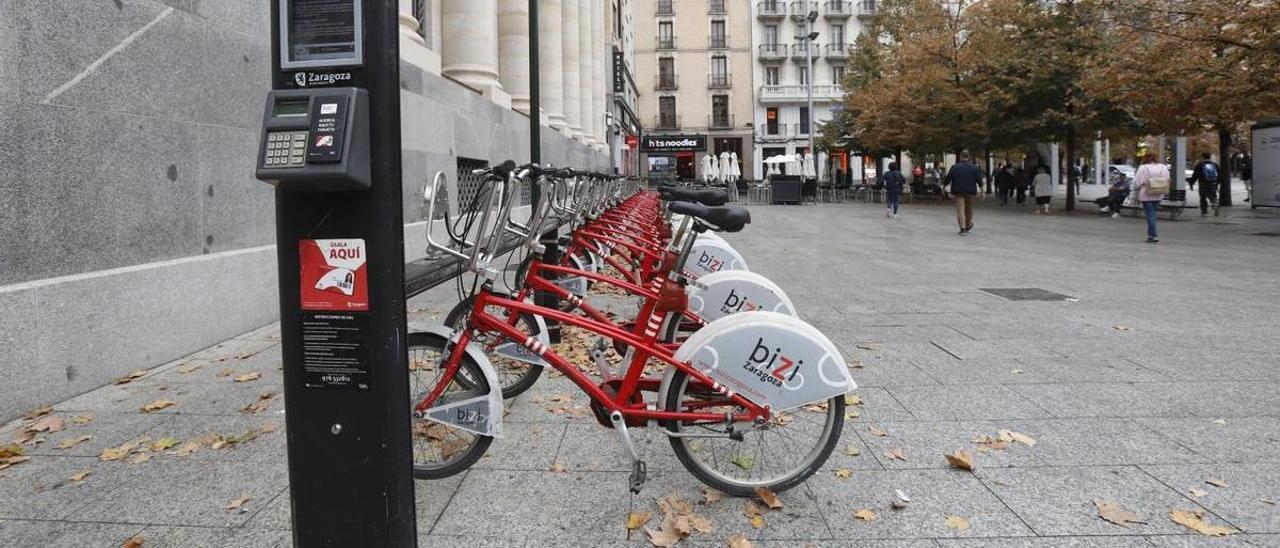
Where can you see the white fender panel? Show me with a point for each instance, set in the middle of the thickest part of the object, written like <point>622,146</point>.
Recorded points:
<point>769,358</point>
<point>709,256</point>
<point>480,415</point>
<point>732,291</point>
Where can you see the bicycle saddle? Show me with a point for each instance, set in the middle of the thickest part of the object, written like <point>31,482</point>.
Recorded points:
<point>720,219</point>
<point>707,197</point>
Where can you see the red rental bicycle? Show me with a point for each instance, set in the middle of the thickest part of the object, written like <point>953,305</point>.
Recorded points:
<point>751,400</point>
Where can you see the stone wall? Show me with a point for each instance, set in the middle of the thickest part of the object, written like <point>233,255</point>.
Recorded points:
<point>134,230</point>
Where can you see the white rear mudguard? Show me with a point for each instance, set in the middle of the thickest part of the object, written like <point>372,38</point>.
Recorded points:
<point>709,255</point>
<point>773,360</point>
<point>481,414</point>
<point>720,294</point>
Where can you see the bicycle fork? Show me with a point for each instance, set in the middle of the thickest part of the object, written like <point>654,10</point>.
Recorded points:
<point>639,473</point>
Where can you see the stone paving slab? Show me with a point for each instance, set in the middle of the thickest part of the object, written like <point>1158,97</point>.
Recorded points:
<point>1137,416</point>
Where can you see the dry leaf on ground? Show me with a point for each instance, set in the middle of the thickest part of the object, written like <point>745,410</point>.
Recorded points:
<point>852,413</point>
<point>133,542</point>
<point>82,419</point>
<point>710,495</point>
<point>855,364</point>
<point>37,412</point>
<point>237,504</point>
<point>164,444</point>
<point>877,432</point>
<point>49,425</point>
<point>558,468</point>
<point>1112,511</point>
<point>131,377</point>
<point>865,515</point>
<point>960,459</point>
<point>896,453</point>
<point>189,368</point>
<point>1268,501</point>
<point>1016,371</point>
<point>72,442</point>
<point>872,346</point>
<point>1198,492</point>
<point>1121,328</point>
<point>1195,522</point>
<point>636,520</point>
<point>739,540</point>
<point>844,473</point>
<point>769,498</point>
<point>140,458</point>
<point>1216,482</point>
<point>263,401</point>
<point>755,514</point>
<point>958,523</point>
<point>850,399</point>
<point>852,450</point>
<point>158,405</point>
<point>226,372</point>
<point>79,477</point>
<point>246,355</point>
<point>1011,436</point>
<point>249,377</point>
<point>669,535</point>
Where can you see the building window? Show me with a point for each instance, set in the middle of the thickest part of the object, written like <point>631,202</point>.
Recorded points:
<point>720,111</point>
<point>717,6</point>
<point>837,76</point>
<point>804,76</point>
<point>720,71</point>
<point>665,7</point>
<point>718,39</point>
<point>771,126</point>
<point>837,35</point>
<point>666,35</point>
<point>771,76</point>
<point>771,35</point>
<point>617,22</point>
<point>667,112</point>
<point>804,120</point>
<point>666,73</point>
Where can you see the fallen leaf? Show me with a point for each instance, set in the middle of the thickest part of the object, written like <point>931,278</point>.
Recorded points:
<point>72,442</point>
<point>1114,513</point>
<point>850,399</point>
<point>263,401</point>
<point>79,477</point>
<point>710,495</point>
<point>897,504</point>
<point>754,514</point>
<point>1016,371</point>
<point>636,520</point>
<point>744,462</point>
<point>226,372</point>
<point>855,364</point>
<point>960,459</point>
<point>1198,493</point>
<point>739,540</point>
<point>852,450</point>
<point>237,504</point>
<point>877,432</point>
<point>157,405</point>
<point>249,377</point>
<point>852,413</point>
<point>140,458</point>
<point>700,524</point>
<point>558,468</point>
<point>1121,328</point>
<point>1011,436</point>
<point>1220,421</point>
<point>844,473</point>
<point>1268,501</point>
<point>117,453</point>
<point>131,377</point>
<point>1195,522</point>
<point>246,355</point>
<point>872,346</point>
<point>1216,482</point>
<point>769,498</point>
<point>674,504</point>
<point>82,419</point>
<point>38,412</point>
<point>895,453</point>
<point>958,523</point>
<point>49,424</point>
<point>865,515</point>
<point>133,542</point>
<point>189,368</point>
<point>164,444</point>
<point>667,536</point>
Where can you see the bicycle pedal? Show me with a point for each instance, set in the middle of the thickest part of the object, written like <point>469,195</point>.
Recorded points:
<point>639,475</point>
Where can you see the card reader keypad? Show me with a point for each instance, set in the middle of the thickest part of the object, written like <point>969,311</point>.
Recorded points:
<point>286,149</point>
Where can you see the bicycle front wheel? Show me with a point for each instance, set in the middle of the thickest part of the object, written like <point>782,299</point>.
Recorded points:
<point>777,455</point>
<point>516,376</point>
<point>441,450</point>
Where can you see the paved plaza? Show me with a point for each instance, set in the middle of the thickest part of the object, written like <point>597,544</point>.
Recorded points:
<point>1149,379</point>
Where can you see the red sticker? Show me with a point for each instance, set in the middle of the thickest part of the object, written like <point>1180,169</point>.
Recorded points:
<point>334,275</point>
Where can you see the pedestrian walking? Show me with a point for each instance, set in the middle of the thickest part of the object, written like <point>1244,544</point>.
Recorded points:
<point>965,181</point>
<point>1246,173</point>
<point>1152,183</point>
<point>1043,184</point>
<point>1206,173</point>
<point>1004,184</point>
<point>1020,184</point>
<point>893,181</point>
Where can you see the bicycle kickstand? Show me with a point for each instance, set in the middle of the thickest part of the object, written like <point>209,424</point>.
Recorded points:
<point>639,472</point>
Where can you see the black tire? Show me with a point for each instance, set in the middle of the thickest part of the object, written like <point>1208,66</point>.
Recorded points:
<point>430,350</point>
<point>515,376</point>
<point>808,465</point>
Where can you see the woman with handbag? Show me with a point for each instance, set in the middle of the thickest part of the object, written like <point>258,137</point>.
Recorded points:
<point>1152,183</point>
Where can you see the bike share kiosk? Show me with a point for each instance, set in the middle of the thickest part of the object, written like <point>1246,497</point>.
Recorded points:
<point>330,145</point>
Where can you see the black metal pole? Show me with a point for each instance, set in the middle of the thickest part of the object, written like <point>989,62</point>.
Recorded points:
<point>551,239</point>
<point>349,448</point>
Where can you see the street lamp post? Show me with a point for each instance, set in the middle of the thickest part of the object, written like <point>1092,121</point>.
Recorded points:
<point>808,39</point>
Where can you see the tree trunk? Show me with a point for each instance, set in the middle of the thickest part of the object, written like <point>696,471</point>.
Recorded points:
<point>1071,167</point>
<point>1224,166</point>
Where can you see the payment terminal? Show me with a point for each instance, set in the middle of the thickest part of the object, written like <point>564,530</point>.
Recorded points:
<point>316,140</point>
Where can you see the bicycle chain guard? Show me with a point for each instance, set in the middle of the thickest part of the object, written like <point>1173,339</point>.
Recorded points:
<point>727,292</point>
<point>771,359</point>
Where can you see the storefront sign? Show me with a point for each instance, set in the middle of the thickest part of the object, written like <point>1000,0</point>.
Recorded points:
<point>633,142</point>
<point>619,72</point>
<point>673,143</point>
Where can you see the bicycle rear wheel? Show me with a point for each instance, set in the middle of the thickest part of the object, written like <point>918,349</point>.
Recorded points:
<point>777,455</point>
<point>440,450</point>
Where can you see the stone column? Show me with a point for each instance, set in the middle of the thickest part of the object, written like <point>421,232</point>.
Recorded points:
<point>571,75</point>
<point>586,68</point>
<point>513,51</point>
<point>414,49</point>
<point>551,62</point>
<point>602,70</point>
<point>470,42</point>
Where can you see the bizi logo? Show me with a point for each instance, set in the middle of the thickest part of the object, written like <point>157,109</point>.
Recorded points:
<point>710,263</point>
<point>735,303</point>
<point>770,365</point>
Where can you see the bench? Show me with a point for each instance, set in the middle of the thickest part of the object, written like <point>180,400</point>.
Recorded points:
<point>1173,204</point>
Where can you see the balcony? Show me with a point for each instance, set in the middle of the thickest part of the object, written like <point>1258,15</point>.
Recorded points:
<point>665,82</point>
<point>801,9</point>
<point>800,130</point>
<point>837,52</point>
<point>666,122</point>
<point>773,132</point>
<point>800,51</point>
<point>837,9</point>
<point>718,41</point>
<point>797,93</point>
<point>867,9</point>
<point>723,121</point>
<point>716,80</point>
<point>771,9</point>
<point>772,52</point>
<point>665,43</point>
<point>666,7</point>
<point>716,7</point>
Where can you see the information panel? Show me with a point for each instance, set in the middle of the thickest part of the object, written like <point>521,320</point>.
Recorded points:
<point>1266,165</point>
<point>320,33</point>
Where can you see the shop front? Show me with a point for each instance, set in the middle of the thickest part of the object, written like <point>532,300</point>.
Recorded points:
<point>672,157</point>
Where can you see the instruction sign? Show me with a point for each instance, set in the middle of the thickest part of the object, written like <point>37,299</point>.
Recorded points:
<point>320,33</point>
<point>335,351</point>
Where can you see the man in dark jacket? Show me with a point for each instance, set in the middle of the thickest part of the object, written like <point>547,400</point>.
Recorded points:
<point>1206,173</point>
<point>964,180</point>
<point>1004,184</point>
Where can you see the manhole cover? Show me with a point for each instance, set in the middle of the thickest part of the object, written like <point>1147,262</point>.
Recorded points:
<point>1272,234</point>
<point>1025,294</point>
